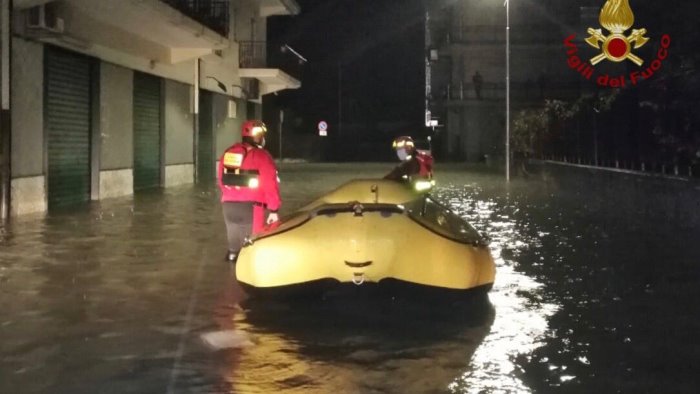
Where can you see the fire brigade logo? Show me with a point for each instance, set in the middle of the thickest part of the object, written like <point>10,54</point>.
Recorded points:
<point>617,17</point>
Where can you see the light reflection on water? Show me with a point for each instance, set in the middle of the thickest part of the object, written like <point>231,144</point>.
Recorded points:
<point>520,324</point>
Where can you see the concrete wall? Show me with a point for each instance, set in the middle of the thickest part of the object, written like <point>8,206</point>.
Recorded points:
<point>475,129</point>
<point>27,108</point>
<point>243,10</point>
<point>28,190</point>
<point>179,125</point>
<point>116,183</point>
<point>483,129</point>
<point>226,130</point>
<point>258,110</point>
<point>116,117</point>
<point>117,131</point>
<point>179,174</point>
<point>179,134</point>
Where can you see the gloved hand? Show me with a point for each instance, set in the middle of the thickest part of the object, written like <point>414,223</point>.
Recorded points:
<point>272,218</point>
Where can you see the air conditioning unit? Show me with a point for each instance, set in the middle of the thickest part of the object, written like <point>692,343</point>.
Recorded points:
<point>44,17</point>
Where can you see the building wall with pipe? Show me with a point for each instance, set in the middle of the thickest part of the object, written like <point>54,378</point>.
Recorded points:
<point>118,55</point>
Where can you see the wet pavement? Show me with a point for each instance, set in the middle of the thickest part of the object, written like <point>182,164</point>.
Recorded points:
<point>129,296</point>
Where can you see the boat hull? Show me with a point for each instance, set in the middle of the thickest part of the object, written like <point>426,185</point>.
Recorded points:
<point>372,248</point>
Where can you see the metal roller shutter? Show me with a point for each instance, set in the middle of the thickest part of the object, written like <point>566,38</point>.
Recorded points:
<point>67,100</point>
<point>205,138</point>
<point>147,131</point>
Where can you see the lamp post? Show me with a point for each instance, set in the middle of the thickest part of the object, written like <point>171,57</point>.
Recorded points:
<point>507,5</point>
<point>340,98</point>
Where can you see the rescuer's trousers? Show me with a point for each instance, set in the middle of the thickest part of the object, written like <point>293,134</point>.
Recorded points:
<point>239,223</point>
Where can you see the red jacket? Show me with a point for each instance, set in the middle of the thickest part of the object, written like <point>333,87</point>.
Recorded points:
<point>420,165</point>
<point>426,165</point>
<point>239,165</point>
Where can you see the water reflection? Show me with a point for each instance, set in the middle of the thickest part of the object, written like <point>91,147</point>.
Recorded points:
<point>521,317</point>
<point>355,342</point>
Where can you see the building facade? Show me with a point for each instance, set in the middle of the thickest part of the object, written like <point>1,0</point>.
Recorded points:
<point>466,55</point>
<point>104,98</point>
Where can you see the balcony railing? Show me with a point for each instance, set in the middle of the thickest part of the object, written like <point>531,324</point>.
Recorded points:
<point>254,54</point>
<point>213,14</point>
<point>520,35</point>
<point>519,91</point>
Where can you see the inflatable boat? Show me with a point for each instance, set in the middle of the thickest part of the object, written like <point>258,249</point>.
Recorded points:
<point>374,233</point>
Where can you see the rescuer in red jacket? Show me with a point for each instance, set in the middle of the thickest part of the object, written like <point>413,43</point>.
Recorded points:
<point>248,182</point>
<point>416,167</point>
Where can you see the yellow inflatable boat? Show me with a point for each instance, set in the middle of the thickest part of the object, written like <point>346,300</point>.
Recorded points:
<point>373,233</point>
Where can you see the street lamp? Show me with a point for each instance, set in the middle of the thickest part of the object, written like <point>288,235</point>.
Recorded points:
<point>507,5</point>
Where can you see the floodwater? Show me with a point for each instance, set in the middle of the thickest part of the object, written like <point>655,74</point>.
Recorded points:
<point>133,296</point>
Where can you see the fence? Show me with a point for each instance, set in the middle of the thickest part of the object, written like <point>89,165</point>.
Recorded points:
<point>689,170</point>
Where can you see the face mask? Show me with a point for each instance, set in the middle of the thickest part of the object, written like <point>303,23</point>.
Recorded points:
<point>402,154</point>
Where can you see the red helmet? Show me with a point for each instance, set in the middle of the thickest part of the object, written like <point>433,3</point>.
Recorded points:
<point>405,142</point>
<point>252,128</point>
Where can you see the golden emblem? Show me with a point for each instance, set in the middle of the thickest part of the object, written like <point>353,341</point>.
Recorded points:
<point>617,17</point>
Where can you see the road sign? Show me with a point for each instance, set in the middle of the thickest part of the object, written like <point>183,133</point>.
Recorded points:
<point>323,128</point>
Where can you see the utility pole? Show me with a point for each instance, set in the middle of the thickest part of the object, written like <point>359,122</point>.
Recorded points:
<point>280,131</point>
<point>5,107</point>
<point>507,4</point>
<point>595,135</point>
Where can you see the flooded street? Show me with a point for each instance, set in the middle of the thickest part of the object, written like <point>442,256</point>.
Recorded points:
<point>127,296</point>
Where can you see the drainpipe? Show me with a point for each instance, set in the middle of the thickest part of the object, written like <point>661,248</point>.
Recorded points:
<point>195,119</point>
<point>281,125</point>
<point>5,106</point>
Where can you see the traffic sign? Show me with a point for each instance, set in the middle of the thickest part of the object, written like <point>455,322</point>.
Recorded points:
<point>322,125</point>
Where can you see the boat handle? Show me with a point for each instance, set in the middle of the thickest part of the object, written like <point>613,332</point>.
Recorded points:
<point>358,265</point>
<point>358,278</point>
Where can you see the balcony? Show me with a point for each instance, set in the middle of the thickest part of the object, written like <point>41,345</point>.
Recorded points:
<point>281,71</point>
<point>213,14</point>
<point>253,54</point>
<point>144,29</point>
<point>278,7</point>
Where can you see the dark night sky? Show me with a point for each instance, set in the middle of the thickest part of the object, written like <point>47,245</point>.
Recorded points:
<point>380,46</point>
